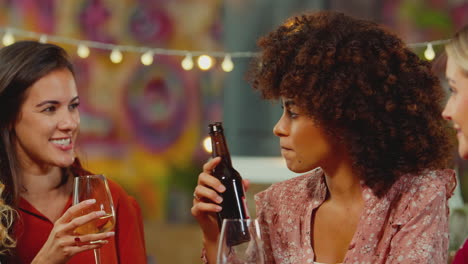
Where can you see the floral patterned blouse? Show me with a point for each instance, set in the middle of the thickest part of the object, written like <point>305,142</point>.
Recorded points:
<point>407,225</point>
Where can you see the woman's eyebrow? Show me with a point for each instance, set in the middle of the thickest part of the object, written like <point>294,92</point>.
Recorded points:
<point>288,103</point>
<point>55,102</point>
<point>48,102</point>
<point>74,99</point>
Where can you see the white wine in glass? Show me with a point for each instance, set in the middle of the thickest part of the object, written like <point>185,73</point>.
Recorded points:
<point>94,187</point>
<point>247,250</point>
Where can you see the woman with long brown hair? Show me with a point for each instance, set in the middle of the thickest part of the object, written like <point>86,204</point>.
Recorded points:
<point>39,124</point>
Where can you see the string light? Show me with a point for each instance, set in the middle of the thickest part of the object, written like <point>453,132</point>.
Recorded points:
<point>187,62</point>
<point>227,64</point>
<point>43,39</point>
<point>116,56</point>
<point>147,58</point>
<point>429,52</point>
<point>82,51</point>
<point>205,62</point>
<point>8,38</point>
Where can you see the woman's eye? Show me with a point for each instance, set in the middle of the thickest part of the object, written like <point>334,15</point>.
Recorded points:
<point>291,114</point>
<point>74,106</point>
<point>452,90</point>
<point>49,109</point>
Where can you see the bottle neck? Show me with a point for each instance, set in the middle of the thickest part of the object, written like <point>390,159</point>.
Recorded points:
<point>219,146</point>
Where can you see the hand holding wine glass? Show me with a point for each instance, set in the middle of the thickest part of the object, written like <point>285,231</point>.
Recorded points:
<point>62,242</point>
<point>94,187</point>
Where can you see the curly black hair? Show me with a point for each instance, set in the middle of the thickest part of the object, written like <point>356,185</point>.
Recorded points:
<point>360,83</point>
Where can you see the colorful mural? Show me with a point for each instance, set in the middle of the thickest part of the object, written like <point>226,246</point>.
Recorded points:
<point>141,125</point>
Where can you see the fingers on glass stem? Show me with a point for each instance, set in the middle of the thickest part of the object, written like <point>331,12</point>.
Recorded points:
<point>93,239</point>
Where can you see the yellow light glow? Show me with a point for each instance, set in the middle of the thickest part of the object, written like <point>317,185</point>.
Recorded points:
<point>147,58</point>
<point>207,144</point>
<point>82,51</point>
<point>227,64</point>
<point>8,39</point>
<point>43,39</point>
<point>116,56</point>
<point>187,62</point>
<point>429,52</point>
<point>205,62</point>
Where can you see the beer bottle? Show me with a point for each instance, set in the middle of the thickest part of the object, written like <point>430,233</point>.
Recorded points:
<point>233,204</point>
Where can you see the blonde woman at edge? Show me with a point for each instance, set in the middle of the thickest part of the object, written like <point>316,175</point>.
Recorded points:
<point>456,109</point>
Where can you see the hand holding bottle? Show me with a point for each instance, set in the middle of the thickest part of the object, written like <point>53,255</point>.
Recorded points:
<point>206,202</point>
<point>206,205</point>
<point>219,194</point>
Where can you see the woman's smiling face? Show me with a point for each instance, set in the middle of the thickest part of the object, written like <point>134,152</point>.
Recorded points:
<point>49,121</point>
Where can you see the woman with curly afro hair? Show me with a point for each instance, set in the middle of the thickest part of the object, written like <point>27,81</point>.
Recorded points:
<point>362,115</point>
<point>456,109</point>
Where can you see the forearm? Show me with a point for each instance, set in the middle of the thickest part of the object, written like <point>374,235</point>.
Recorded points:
<point>41,260</point>
<point>210,251</point>
<point>36,260</point>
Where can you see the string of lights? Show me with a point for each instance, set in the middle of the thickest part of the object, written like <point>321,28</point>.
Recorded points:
<point>205,59</point>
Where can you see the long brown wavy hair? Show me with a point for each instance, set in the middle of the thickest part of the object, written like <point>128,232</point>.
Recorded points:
<point>21,65</point>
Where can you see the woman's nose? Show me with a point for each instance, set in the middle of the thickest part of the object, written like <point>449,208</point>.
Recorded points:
<point>70,121</point>
<point>446,113</point>
<point>279,129</point>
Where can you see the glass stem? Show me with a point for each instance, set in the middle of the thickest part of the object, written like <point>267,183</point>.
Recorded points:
<point>97,256</point>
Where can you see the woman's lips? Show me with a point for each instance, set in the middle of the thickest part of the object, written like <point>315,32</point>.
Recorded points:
<point>64,144</point>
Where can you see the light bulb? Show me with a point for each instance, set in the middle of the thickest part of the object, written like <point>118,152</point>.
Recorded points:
<point>8,38</point>
<point>147,58</point>
<point>205,62</point>
<point>116,56</point>
<point>429,52</point>
<point>207,144</point>
<point>187,62</point>
<point>82,51</point>
<point>43,39</point>
<point>227,64</point>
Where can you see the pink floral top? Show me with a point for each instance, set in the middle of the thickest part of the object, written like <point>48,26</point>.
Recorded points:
<point>407,225</point>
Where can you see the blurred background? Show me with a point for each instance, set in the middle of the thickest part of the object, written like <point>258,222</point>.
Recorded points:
<point>144,125</point>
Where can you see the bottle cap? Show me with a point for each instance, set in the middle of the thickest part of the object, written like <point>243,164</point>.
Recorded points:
<point>216,127</point>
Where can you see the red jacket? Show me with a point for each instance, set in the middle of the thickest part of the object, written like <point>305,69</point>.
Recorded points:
<point>128,246</point>
<point>462,254</point>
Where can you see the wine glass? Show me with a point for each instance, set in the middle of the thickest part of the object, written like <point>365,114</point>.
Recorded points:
<point>94,187</point>
<point>240,242</point>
